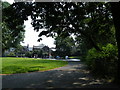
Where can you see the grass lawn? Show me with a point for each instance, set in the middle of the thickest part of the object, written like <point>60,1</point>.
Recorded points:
<point>12,65</point>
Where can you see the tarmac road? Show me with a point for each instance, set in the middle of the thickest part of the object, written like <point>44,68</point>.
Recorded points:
<point>73,75</point>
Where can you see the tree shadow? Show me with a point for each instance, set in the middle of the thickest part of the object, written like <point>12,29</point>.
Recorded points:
<point>75,77</point>
<point>78,77</point>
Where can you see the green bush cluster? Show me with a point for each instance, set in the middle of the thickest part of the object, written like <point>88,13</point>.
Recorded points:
<point>11,54</point>
<point>103,62</point>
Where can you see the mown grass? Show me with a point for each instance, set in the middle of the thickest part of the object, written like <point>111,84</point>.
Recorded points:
<point>12,65</point>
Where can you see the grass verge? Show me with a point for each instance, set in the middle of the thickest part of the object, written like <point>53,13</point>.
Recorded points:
<point>12,65</point>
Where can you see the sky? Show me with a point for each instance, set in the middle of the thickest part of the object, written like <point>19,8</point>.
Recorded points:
<point>31,36</point>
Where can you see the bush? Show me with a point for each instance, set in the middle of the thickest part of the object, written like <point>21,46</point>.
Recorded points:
<point>28,54</point>
<point>103,62</point>
<point>11,54</point>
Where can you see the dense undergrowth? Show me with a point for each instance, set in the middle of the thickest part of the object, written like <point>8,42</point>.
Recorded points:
<point>103,63</point>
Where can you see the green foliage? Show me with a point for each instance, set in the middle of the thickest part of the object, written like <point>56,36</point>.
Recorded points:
<point>29,54</point>
<point>10,37</point>
<point>39,53</point>
<point>5,5</point>
<point>65,18</point>
<point>103,62</point>
<point>11,54</point>
<point>64,46</point>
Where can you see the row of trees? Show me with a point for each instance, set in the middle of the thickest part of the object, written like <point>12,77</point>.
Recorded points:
<point>91,23</point>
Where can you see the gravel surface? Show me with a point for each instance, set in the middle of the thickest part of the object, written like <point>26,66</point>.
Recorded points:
<point>73,75</point>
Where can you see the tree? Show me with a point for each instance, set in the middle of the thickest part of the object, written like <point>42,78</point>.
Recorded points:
<point>8,40</point>
<point>64,46</point>
<point>10,37</point>
<point>114,7</point>
<point>78,18</point>
<point>65,18</point>
<point>19,50</point>
<point>5,5</point>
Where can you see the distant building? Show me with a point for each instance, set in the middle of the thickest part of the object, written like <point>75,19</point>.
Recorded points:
<point>35,51</point>
<point>38,47</point>
<point>30,48</point>
<point>45,48</point>
<point>25,48</point>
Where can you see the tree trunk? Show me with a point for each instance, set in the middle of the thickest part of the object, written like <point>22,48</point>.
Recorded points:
<point>94,43</point>
<point>115,8</point>
<point>3,51</point>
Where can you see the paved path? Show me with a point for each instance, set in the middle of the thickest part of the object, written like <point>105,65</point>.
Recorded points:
<point>74,75</point>
<point>63,59</point>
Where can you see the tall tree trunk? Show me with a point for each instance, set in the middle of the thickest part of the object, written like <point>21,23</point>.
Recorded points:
<point>93,42</point>
<point>115,8</point>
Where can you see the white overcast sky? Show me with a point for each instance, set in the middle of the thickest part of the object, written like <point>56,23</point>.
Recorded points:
<point>31,36</point>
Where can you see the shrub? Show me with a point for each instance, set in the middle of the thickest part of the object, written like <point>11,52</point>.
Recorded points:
<point>103,62</point>
<point>11,54</point>
<point>28,54</point>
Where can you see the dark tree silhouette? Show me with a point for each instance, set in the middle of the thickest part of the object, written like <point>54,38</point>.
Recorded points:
<point>115,7</point>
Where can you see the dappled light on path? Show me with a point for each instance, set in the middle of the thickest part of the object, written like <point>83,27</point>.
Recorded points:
<point>74,75</point>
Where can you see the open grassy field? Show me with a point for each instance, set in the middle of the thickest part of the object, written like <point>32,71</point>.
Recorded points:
<point>12,65</point>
